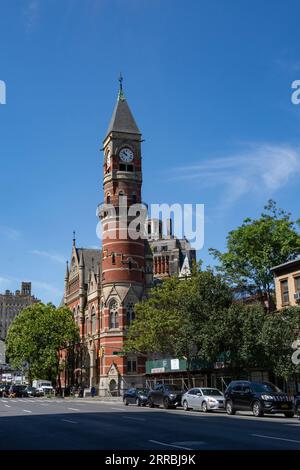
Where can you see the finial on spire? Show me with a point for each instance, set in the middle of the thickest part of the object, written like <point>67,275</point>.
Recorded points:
<point>121,93</point>
<point>74,238</point>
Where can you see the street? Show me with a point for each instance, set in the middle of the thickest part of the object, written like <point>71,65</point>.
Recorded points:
<point>56,424</point>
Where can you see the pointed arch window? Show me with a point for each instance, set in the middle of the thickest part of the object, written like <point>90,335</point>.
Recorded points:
<point>94,321</point>
<point>113,314</point>
<point>130,313</point>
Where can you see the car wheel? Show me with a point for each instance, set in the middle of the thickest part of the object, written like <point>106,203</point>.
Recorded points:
<point>125,401</point>
<point>150,403</point>
<point>185,405</point>
<point>289,414</point>
<point>204,407</point>
<point>229,408</point>
<point>166,403</point>
<point>137,402</point>
<point>257,409</point>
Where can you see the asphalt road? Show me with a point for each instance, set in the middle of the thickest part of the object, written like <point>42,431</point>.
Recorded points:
<point>40,424</point>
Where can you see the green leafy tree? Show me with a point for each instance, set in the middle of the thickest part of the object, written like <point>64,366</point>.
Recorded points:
<point>279,331</point>
<point>257,246</point>
<point>175,319</point>
<point>36,337</point>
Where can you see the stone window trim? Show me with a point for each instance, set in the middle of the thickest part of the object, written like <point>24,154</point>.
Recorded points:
<point>113,314</point>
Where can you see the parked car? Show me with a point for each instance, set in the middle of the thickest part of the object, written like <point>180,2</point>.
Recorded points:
<point>4,390</point>
<point>45,390</point>
<point>259,397</point>
<point>137,396</point>
<point>168,395</point>
<point>204,398</point>
<point>17,391</point>
<point>33,392</point>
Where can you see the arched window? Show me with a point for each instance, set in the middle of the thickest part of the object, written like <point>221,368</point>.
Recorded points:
<point>134,198</point>
<point>130,314</point>
<point>130,264</point>
<point>113,258</point>
<point>113,314</point>
<point>94,320</point>
<point>108,199</point>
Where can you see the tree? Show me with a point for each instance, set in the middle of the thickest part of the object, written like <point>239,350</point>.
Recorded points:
<point>175,319</point>
<point>36,337</point>
<point>257,246</point>
<point>279,331</point>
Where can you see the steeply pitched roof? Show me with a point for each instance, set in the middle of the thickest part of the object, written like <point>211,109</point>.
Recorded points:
<point>122,119</point>
<point>91,259</point>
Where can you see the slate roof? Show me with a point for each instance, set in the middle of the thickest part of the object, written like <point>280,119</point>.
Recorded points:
<point>122,119</point>
<point>91,258</point>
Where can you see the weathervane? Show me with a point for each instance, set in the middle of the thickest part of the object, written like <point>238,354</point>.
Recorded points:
<point>121,93</point>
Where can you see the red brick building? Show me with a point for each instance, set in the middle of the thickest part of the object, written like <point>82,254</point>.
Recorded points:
<point>102,287</point>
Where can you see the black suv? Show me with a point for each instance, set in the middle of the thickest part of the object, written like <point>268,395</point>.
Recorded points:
<point>259,397</point>
<point>166,395</point>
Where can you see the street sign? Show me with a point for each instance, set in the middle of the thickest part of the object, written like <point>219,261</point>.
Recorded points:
<point>118,353</point>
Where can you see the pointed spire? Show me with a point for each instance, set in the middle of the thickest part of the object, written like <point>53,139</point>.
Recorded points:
<point>74,238</point>
<point>121,95</point>
<point>122,119</point>
<point>81,262</point>
<point>67,270</point>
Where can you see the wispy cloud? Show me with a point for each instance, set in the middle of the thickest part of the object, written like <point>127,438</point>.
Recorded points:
<point>31,14</point>
<point>260,169</point>
<point>46,287</point>
<point>9,232</point>
<point>52,256</point>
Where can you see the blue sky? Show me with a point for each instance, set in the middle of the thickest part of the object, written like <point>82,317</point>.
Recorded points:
<point>209,83</point>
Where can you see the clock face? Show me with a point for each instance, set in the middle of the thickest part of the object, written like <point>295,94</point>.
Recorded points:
<point>126,155</point>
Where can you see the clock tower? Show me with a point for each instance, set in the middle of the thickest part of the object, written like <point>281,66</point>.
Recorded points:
<point>123,257</point>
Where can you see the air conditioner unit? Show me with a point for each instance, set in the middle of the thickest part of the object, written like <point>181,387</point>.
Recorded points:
<point>297,296</point>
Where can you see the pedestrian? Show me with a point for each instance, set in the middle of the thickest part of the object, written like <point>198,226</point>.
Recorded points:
<point>93,391</point>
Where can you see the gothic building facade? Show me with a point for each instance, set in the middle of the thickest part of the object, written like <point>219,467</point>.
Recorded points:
<point>103,286</point>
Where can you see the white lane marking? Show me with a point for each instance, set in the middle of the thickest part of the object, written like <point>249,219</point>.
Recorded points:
<point>27,411</point>
<point>74,409</point>
<point>135,419</point>
<point>275,438</point>
<point>170,445</point>
<point>4,401</point>
<point>118,409</point>
<point>7,406</point>
<point>69,421</point>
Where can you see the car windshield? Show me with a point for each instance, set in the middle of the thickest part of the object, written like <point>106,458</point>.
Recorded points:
<point>265,387</point>
<point>211,391</point>
<point>173,388</point>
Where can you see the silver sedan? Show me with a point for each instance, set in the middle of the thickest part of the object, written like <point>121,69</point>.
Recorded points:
<point>205,399</point>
